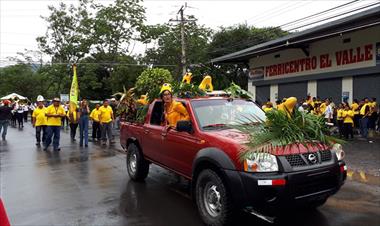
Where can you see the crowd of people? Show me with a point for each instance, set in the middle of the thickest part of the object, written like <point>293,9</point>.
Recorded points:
<point>49,117</point>
<point>362,115</point>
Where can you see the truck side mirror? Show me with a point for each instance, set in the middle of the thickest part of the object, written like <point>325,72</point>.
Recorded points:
<point>184,126</point>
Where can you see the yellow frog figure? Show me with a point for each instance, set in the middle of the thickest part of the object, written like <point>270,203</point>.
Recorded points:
<point>206,84</point>
<point>288,105</point>
<point>143,100</point>
<point>187,78</point>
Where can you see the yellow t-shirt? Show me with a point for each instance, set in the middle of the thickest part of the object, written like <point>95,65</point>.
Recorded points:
<point>348,116</point>
<point>339,114</point>
<point>267,109</point>
<point>74,114</point>
<point>363,109</point>
<point>176,112</point>
<point>354,107</point>
<point>39,114</point>
<point>54,121</point>
<point>105,114</point>
<point>95,115</point>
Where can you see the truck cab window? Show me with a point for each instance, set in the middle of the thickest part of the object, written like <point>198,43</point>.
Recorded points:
<point>157,114</point>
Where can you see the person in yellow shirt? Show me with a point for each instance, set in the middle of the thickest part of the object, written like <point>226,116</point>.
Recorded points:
<point>39,120</point>
<point>106,117</point>
<point>373,114</point>
<point>94,116</point>
<point>174,111</point>
<point>364,118</point>
<point>268,107</point>
<point>355,109</point>
<point>73,119</point>
<point>348,121</point>
<point>339,118</point>
<point>54,114</point>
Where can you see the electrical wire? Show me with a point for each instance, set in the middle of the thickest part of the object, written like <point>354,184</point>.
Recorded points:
<point>337,15</point>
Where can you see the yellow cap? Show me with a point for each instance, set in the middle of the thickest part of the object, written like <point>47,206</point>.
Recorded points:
<point>166,86</point>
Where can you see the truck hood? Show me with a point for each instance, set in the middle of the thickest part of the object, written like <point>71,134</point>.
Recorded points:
<point>239,139</point>
<point>232,135</point>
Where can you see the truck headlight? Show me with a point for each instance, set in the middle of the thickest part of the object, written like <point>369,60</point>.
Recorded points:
<point>261,162</point>
<point>338,150</point>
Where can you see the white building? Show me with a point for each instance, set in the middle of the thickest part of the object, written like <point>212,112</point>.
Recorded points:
<point>338,59</point>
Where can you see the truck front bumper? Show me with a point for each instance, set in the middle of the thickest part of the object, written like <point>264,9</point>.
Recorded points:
<point>269,192</point>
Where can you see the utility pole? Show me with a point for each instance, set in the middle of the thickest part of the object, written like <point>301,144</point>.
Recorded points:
<point>182,22</point>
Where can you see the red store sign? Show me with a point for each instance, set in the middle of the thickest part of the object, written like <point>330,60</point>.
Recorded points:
<point>342,57</point>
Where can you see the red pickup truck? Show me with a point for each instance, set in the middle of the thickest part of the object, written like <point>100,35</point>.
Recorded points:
<point>205,150</point>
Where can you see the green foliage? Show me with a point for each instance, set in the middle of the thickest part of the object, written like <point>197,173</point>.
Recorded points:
<point>141,113</point>
<point>116,25</point>
<point>280,130</point>
<point>184,90</point>
<point>127,104</point>
<point>236,91</point>
<point>168,46</point>
<point>151,80</point>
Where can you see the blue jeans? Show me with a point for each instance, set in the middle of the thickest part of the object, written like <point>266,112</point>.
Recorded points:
<point>53,130</point>
<point>364,127</point>
<point>4,126</point>
<point>83,129</point>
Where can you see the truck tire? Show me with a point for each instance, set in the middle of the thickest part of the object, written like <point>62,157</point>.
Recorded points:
<point>212,198</point>
<point>137,166</point>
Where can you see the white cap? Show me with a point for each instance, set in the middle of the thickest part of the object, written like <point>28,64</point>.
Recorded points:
<point>40,98</point>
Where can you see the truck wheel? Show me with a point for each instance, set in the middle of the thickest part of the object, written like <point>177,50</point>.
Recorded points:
<point>138,167</point>
<point>212,199</point>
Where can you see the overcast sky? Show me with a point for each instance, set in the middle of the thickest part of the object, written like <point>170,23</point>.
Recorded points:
<point>20,21</point>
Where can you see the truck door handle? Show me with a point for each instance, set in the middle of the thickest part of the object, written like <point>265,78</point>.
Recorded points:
<point>146,131</point>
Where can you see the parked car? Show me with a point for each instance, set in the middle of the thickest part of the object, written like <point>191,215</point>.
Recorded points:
<point>205,150</point>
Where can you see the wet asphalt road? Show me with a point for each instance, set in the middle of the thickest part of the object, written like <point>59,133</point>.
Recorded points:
<point>90,186</point>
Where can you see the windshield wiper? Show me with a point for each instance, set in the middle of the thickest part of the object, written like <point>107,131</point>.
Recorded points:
<point>220,125</point>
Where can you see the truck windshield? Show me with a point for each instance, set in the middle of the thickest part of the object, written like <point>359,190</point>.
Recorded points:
<point>220,114</point>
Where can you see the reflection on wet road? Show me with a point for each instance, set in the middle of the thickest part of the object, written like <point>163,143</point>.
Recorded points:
<point>90,186</point>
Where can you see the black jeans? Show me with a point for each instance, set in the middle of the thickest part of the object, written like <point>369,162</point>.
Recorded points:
<point>38,133</point>
<point>96,132</point>
<point>340,127</point>
<point>20,118</point>
<point>73,130</point>
<point>348,130</point>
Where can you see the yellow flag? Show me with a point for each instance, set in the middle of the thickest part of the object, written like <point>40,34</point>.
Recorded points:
<point>74,90</point>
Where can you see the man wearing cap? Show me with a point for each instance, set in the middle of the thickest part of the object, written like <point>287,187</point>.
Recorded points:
<point>106,118</point>
<point>54,114</point>
<point>39,120</point>
<point>5,116</point>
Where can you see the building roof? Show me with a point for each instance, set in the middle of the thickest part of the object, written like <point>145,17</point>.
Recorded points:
<point>357,21</point>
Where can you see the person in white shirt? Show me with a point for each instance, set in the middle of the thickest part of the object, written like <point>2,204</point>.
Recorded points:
<point>328,112</point>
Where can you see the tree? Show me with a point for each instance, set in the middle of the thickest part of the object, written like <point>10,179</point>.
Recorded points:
<point>68,37</point>
<point>167,50</point>
<point>20,79</point>
<point>151,80</point>
<point>232,39</point>
<point>117,25</point>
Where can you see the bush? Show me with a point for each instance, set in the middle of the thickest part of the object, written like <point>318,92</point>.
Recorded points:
<point>152,79</point>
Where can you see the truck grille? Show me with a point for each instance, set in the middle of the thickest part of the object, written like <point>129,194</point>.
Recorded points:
<point>295,160</point>
<point>299,160</point>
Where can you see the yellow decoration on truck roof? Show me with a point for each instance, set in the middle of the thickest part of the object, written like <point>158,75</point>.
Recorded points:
<point>206,84</point>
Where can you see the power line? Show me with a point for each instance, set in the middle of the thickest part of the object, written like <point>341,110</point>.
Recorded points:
<point>319,13</point>
<point>334,16</point>
<point>272,10</point>
<point>277,27</point>
<point>88,63</point>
